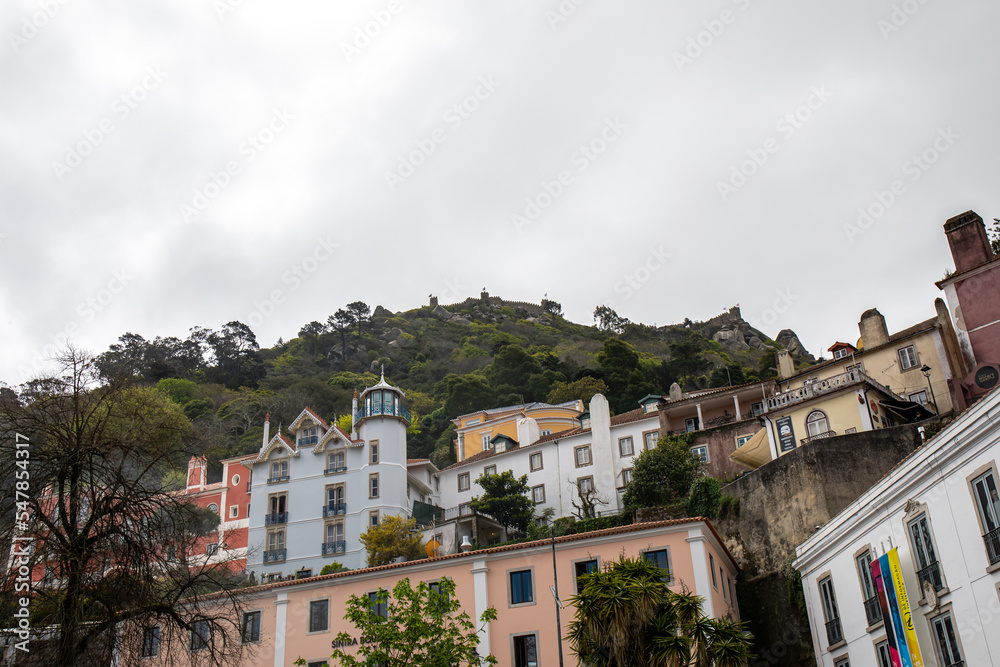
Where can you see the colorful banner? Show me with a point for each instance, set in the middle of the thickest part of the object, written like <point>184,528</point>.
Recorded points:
<point>904,609</point>
<point>883,602</point>
<point>897,619</point>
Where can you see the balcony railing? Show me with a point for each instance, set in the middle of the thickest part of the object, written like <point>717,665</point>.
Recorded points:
<point>274,556</point>
<point>338,547</point>
<point>309,440</point>
<point>834,634</point>
<point>275,518</point>
<point>821,387</point>
<point>277,478</point>
<point>335,469</point>
<point>334,509</point>
<point>992,540</point>
<point>872,610</point>
<point>931,573</point>
<point>386,408</point>
<point>818,436</point>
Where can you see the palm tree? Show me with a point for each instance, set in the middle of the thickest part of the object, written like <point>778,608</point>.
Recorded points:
<point>627,615</point>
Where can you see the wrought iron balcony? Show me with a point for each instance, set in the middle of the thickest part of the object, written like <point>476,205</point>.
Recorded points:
<point>931,573</point>
<point>274,556</point>
<point>308,440</point>
<point>279,478</point>
<point>820,387</point>
<point>872,610</point>
<point>818,436</point>
<point>275,518</point>
<point>330,471</point>
<point>834,634</point>
<point>383,408</point>
<point>338,547</point>
<point>992,540</point>
<point>334,509</point>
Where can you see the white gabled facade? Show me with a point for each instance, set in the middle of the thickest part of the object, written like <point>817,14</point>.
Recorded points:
<point>314,493</point>
<point>941,508</point>
<point>600,451</point>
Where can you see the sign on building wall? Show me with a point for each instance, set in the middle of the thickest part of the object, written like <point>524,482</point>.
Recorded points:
<point>888,577</point>
<point>786,434</point>
<point>987,377</point>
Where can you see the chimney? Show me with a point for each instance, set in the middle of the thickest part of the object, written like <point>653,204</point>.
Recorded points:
<point>267,431</point>
<point>196,474</point>
<point>873,330</point>
<point>970,246</point>
<point>527,431</point>
<point>786,367</point>
<point>354,413</point>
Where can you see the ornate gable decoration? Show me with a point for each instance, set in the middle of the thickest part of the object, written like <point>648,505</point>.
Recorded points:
<point>334,438</point>
<point>311,416</point>
<point>277,442</point>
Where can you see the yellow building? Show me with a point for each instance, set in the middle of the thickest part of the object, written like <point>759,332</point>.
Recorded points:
<point>478,431</point>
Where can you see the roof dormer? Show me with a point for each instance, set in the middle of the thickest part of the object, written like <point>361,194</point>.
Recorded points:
<point>382,400</point>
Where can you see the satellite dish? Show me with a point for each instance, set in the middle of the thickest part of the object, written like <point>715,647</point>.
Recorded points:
<point>431,548</point>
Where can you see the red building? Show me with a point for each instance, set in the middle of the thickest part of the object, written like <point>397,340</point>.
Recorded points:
<point>230,499</point>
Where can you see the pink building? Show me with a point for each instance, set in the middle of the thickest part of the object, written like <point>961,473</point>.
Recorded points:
<point>300,618</point>
<point>230,499</point>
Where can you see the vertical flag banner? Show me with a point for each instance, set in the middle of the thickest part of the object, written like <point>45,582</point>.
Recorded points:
<point>904,609</point>
<point>883,602</point>
<point>896,619</point>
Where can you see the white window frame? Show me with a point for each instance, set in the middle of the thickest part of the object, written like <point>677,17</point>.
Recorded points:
<point>464,482</point>
<point>490,470</point>
<point>910,361</point>
<point>626,440</point>
<point>956,652</point>
<point>536,497</point>
<point>701,451</point>
<point>531,461</point>
<point>583,450</point>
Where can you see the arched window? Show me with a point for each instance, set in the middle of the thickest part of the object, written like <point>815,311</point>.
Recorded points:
<point>817,424</point>
<point>213,508</point>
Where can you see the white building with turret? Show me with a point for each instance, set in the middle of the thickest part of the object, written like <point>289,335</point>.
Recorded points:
<point>316,489</point>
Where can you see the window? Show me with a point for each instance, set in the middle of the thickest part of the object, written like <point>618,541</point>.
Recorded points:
<point>884,656</point>
<point>626,477</point>
<point>236,480</point>
<point>850,430</point>
<point>923,549</point>
<point>843,662</point>
<point>490,470</point>
<point>251,627</point>
<point>856,367</point>
<point>536,461</point>
<point>486,441</point>
<point>234,511</point>
<point>213,508</point>
<point>919,397</point>
<point>817,424</point>
<point>545,431</point>
<point>436,587</point>
<point>336,462</point>
<point>200,635</point>
<point>625,446</point>
<point>660,558</point>
<point>373,485</point>
<point>873,612</point>
<point>334,538</point>
<point>275,546</point>
<point>757,408</point>
<point>945,641</point>
<point>538,494</point>
<point>711,567</point>
<point>732,593</point>
<point>521,590</point>
<point>840,353</point>
<point>691,424</point>
<point>319,615</point>
<point>335,504</point>
<point>472,422</point>
<point>907,358</point>
<point>211,548</point>
<point>379,604</point>
<point>463,482</point>
<point>277,509</point>
<point>984,488</point>
<point>585,485</point>
<point>525,650</point>
<point>583,567</point>
<point>373,518</point>
<point>279,471</point>
<point>834,635</point>
<point>582,454</point>
<point>151,642</point>
<point>701,453</point>
<point>649,439</point>
<point>742,440</point>
<point>318,663</point>
<point>373,450</point>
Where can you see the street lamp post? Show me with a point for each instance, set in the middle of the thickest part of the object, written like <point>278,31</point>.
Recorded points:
<point>555,593</point>
<point>926,370</point>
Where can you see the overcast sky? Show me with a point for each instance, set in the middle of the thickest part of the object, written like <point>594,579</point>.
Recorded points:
<point>167,165</point>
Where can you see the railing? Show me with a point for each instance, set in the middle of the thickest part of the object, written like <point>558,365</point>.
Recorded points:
<point>274,556</point>
<point>334,509</point>
<point>931,573</point>
<point>386,408</point>
<point>872,610</point>
<point>338,547</point>
<point>817,388</point>
<point>279,478</point>
<point>992,540</point>
<point>818,436</point>
<point>330,471</point>
<point>834,634</point>
<point>308,440</point>
<point>275,518</point>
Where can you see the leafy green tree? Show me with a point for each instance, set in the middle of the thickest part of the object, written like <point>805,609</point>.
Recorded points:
<point>582,389</point>
<point>420,627</point>
<point>310,334</point>
<point>552,308</point>
<point>685,366</point>
<point>237,360</point>
<point>463,394</point>
<point>340,323</point>
<point>994,235</point>
<point>361,313</point>
<point>729,375</point>
<point>627,615</point>
<point>511,371</point>
<point>705,497</point>
<point>393,537</point>
<point>627,381</point>
<point>608,320</point>
<point>663,475</point>
<point>333,568</point>
<point>180,391</point>
<point>505,498</point>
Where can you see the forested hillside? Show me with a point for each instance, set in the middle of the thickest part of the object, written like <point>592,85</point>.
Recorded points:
<point>449,360</point>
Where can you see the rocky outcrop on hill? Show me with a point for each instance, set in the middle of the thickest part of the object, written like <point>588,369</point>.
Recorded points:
<point>788,340</point>
<point>733,332</point>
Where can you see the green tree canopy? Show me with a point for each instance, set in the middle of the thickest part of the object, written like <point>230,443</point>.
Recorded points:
<point>394,536</point>
<point>505,498</point>
<point>662,475</point>
<point>582,389</point>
